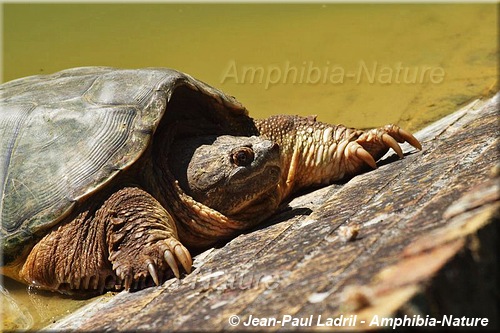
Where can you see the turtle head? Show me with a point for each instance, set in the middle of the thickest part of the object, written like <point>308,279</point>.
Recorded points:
<point>236,176</point>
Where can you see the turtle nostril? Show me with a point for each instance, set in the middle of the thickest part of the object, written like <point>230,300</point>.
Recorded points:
<point>274,173</point>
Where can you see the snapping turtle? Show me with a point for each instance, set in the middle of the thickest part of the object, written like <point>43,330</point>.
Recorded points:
<point>108,176</point>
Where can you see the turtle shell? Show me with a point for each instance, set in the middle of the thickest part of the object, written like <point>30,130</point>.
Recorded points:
<point>66,135</point>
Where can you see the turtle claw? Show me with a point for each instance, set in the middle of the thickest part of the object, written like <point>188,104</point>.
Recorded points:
<point>86,282</point>
<point>399,135</point>
<point>390,142</point>
<point>362,154</point>
<point>378,141</point>
<point>169,258</point>
<point>153,273</point>
<point>128,281</point>
<point>177,253</point>
<point>408,137</point>
<point>184,257</point>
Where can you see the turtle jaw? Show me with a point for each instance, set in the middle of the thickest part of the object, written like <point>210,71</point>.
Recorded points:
<point>257,195</point>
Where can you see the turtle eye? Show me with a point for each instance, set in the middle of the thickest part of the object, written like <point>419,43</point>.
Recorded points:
<point>242,156</point>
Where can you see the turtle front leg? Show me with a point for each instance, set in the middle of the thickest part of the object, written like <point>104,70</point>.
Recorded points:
<point>129,238</point>
<point>142,238</point>
<point>316,153</point>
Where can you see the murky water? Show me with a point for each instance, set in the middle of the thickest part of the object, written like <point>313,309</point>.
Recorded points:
<point>23,308</point>
<point>361,65</point>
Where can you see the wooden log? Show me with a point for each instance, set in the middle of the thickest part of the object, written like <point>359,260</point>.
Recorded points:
<point>416,237</point>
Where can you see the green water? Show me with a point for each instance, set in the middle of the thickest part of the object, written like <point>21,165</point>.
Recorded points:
<point>208,40</point>
<point>361,65</point>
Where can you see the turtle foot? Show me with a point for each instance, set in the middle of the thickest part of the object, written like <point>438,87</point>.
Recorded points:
<point>154,261</point>
<point>142,240</point>
<point>373,144</point>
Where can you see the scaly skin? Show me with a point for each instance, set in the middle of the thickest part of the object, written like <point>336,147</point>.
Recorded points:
<point>314,153</point>
<point>139,232</point>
